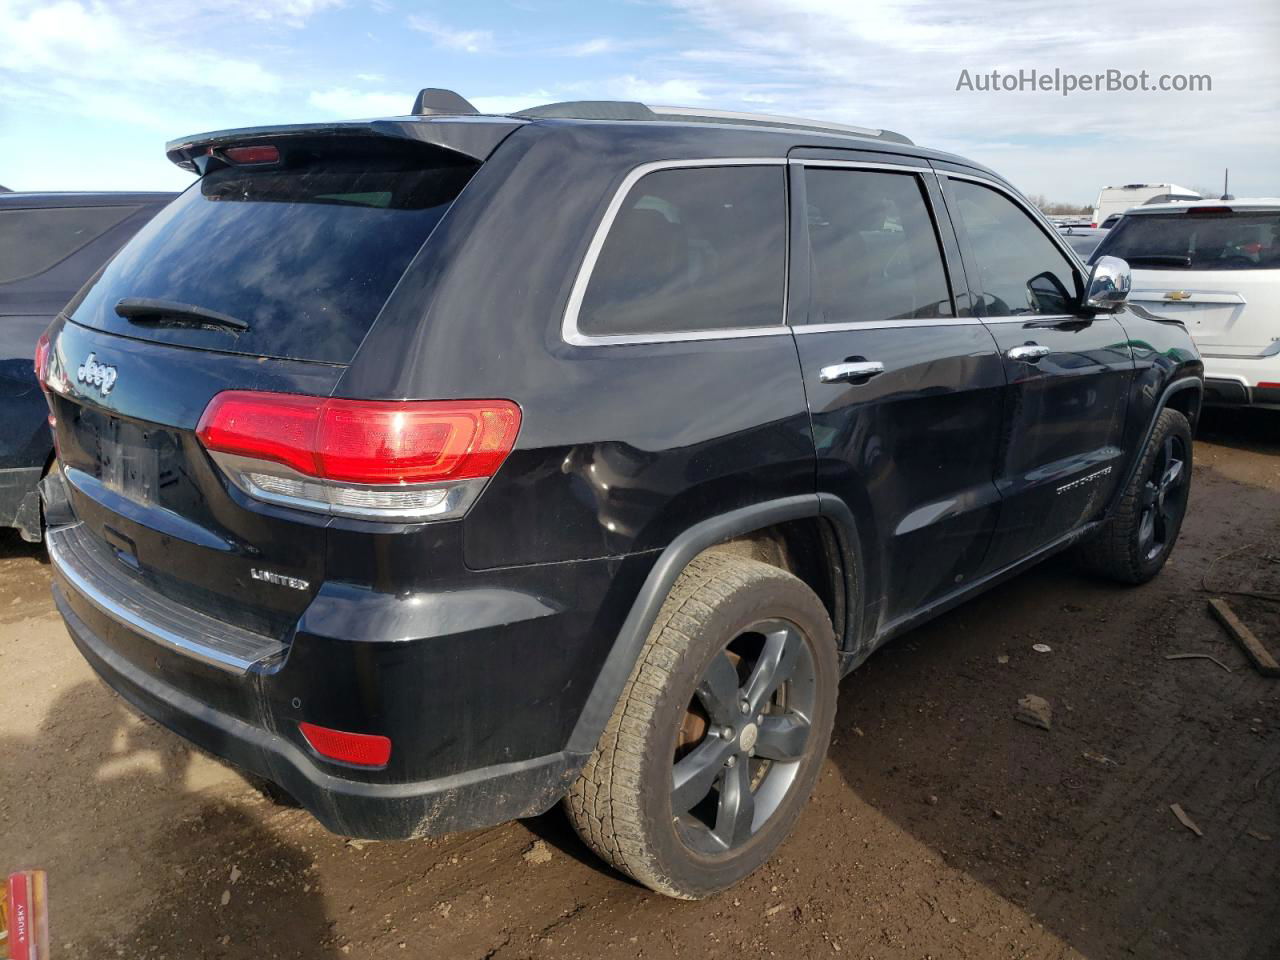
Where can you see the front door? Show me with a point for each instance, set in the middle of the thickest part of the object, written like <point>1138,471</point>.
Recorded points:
<point>1068,371</point>
<point>905,396</point>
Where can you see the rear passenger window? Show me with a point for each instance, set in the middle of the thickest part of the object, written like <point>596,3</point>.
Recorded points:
<point>1021,271</point>
<point>874,249</point>
<point>37,238</point>
<point>700,248</point>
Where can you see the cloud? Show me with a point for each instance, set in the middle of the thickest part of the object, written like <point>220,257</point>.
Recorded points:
<point>510,103</point>
<point>673,91</point>
<point>67,48</point>
<point>590,48</point>
<point>468,41</point>
<point>293,13</point>
<point>349,104</point>
<point>895,63</point>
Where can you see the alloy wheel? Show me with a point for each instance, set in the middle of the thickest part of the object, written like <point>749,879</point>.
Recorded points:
<point>1164,498</point>
<point>742,739</point>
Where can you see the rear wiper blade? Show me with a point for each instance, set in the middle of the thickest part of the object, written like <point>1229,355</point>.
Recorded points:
<point>147,310</point>
<point>1163,260</point>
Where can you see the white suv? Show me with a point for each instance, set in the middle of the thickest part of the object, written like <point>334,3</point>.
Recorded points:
<point>1214,265</point>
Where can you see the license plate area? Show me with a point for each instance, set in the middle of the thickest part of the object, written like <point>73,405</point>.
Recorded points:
<point>142,462</point>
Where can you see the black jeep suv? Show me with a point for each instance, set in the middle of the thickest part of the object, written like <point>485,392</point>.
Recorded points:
<point>440,468</point>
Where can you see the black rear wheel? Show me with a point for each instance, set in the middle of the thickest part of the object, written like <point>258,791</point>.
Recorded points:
<point>720,733</point>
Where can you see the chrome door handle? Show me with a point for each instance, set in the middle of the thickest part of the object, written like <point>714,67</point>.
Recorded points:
<point>851,372</point>
<point>1030,352</point>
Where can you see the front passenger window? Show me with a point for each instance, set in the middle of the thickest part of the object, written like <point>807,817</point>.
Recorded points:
<point>1020,270</point>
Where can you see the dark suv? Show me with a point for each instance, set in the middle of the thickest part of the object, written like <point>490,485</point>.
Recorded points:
<point>440,468</point>
<point>50,244</point>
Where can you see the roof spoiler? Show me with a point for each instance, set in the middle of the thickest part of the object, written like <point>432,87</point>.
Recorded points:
<point>474,138</point>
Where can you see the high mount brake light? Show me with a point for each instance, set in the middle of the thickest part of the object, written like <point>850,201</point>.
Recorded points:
<point>252,156</point>
<point>1208,211</point>
<point>364,458</point>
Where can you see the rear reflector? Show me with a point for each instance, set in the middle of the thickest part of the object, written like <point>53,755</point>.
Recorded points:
<point>375,458</point>
<point>357,749</point>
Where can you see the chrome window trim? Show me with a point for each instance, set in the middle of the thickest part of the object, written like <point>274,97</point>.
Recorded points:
<point>1035,318</point>
<point>848,325</point>
<point>569,331</point>
<point>1037,217</point>
<point>858,165</point>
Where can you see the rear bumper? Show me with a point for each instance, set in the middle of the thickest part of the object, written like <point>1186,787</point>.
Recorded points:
<point>382,811</point>
<point>478,683</point>
<point>1234,381</point>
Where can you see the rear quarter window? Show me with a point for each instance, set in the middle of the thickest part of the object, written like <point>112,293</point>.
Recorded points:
<point>36,239</point>
<point>305,253</point>
<point>692,249</point>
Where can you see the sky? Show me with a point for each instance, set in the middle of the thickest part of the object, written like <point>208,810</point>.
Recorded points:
<point>90,90</point>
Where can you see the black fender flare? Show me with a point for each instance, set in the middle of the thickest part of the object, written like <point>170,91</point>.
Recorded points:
<point>1182,383</point>
<point>671,563</point>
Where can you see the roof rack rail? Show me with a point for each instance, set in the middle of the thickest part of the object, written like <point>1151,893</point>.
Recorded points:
<point>433,101</point>
<point>700,115</point>
<point>631,110</point>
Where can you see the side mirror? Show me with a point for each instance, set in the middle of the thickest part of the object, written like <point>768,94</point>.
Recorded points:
<point>1109,282</point>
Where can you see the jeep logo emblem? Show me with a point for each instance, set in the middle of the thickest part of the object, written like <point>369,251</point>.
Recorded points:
<point>94,374</point>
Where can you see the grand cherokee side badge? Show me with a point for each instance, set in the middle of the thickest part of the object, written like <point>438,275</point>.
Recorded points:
<point>94,374</point>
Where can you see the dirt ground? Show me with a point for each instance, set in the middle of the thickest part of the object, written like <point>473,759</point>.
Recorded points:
<point>940,827</point>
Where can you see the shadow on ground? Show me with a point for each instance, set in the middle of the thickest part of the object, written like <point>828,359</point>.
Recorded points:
<point>214,881</point>
<point>1241,428</point>
<point>1074,824</point>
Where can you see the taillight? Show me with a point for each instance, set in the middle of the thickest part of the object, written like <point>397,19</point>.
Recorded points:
<point>357,749</point>
<point>42,360</point>
<point>411,459</point>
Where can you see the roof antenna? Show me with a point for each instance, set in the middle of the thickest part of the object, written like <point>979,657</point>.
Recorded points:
<point>1226,179</point>
<point>436,102</point>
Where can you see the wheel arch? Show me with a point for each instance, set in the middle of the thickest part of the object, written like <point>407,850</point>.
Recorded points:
<point>768,531</point>
<point>1184,395</point>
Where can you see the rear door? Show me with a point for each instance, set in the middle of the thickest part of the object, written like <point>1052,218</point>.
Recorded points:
<point>264,278</point>
<point>905,395</point>
<point>1068,371</point>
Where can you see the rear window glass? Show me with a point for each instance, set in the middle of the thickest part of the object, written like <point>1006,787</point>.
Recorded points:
<point>305,253</point>
<point>699,248</point>
<point>875,254</point>
<point>35,239</point>
<point>1179,241</point>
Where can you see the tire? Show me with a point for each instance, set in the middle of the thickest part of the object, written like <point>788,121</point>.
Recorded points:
<point>1137,539</point>
<point>730,630</point>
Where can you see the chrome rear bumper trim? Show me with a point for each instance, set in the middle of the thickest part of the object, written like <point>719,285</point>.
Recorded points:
<point>139,608</point>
